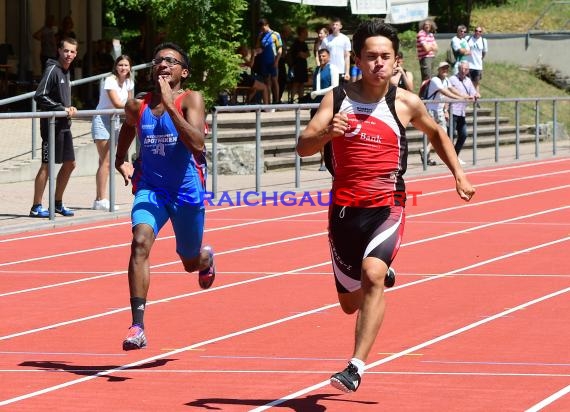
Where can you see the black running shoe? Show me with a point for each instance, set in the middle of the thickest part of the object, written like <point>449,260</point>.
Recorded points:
<point>348,380</point>
<point>390,278</point>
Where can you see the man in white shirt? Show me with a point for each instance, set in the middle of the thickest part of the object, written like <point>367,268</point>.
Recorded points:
<point>339,47</point>
<point>439,89</point>
<point>478,47</point>
<point>460,47</point>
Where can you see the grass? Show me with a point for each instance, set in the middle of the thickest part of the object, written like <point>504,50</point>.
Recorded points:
<point>519,16</point>
<point>509,81</point>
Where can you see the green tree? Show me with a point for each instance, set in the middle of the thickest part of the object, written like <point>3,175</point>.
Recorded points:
<point>209,30</point>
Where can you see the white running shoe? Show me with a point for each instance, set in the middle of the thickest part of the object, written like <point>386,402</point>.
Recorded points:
<point>102,204</point>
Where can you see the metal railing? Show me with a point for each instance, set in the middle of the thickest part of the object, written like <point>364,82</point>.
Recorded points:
<point>258,109</point>
<point>78,82</point>
<point>296,131</point>
<point>115,118</point>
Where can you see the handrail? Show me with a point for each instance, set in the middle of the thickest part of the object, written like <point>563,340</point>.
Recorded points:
<point>295,110</point>
<point>30,95</point>
<point>77,82</point>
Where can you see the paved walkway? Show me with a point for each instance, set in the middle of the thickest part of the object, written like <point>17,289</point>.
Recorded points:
<point>17,197</point>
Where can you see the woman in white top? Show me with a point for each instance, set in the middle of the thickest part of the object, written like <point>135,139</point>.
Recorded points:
<point>114,93</point>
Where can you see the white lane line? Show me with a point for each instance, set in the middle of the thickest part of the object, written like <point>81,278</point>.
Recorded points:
<point>467,230</point>
<point>287,372</point>
<point>443,176</point>
<point>551,399</point>
<point>162,238</point>
<point>307,313</point>
<point>154,302</point>
<point>432,212</point>
<point>416,348</point>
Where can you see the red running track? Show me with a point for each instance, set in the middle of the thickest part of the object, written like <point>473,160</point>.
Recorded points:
<point>478,319</point>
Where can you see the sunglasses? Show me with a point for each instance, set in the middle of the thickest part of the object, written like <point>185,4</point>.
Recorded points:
<point>170,61</point>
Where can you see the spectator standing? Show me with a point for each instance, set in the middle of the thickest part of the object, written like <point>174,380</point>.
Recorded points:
<point>299,53</point>
<point>426,47</point>
<point>460,47</point>
<point>114,93</point>
<point>285,61</point>
<point>168,179</point>
<point>402,77</point>
<point>322,33</point>
<point>478,46</point>
<point>54,95</point>
<point>325,78</point>
<point>48,42</point>
<point>439,88</point>
<point>461,82</point>
<point>339,48</point>
<point>364,124</point>
<point>269,47</point>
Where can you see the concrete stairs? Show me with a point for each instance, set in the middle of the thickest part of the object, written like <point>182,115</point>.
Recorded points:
<point>278,134</point>
<point>277,141</point>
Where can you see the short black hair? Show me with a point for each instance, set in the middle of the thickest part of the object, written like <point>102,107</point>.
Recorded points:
<point>371,28</point>
<point>175,47</point>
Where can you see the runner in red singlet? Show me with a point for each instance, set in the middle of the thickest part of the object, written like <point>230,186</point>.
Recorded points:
<point>365,124</point>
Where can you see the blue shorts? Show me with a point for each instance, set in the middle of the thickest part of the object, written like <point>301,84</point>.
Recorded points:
<point>187,220</point>
<point>268,70</point>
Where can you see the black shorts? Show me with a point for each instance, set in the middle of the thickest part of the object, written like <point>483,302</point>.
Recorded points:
<point>64,151</point>
<point>475,75</point>
<point>356,233</point>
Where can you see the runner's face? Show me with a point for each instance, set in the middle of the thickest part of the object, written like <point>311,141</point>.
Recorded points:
<point>172,72</point>
<point>377,59</point>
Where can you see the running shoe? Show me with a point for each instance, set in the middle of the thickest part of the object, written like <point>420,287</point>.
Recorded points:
<point>206,277</point>
<point>390,278</point>
<point>38,211</point>
<point>348,380</point>
<point>64,211</point>
<point>135,338</point>
<point>102,204</point>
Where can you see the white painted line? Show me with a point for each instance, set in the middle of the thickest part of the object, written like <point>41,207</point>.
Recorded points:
<point>307,313</point>
<point>552,398</point>
<point>412,180</point>
<point>289,217</point>
<point>288,372</point>
<point>416,348</point>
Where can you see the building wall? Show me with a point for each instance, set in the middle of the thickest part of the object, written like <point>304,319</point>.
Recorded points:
<point>524,50</point>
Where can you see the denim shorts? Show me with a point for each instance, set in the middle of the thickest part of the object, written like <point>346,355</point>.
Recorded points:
<point>101,128</point>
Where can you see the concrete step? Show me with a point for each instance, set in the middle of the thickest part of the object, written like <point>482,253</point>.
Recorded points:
<point>272,132</point>
<point>286,159</point>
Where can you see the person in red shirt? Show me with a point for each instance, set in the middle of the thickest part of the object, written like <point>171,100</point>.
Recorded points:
<point>364,124</point>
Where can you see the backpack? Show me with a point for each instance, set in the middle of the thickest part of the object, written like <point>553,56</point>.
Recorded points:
<point>450,56</point>
<point>424,88</point>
